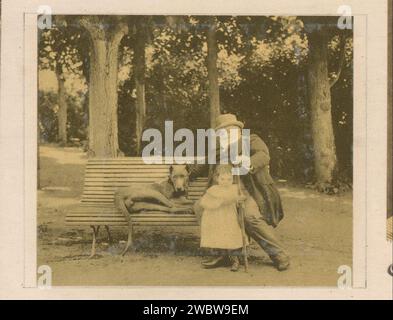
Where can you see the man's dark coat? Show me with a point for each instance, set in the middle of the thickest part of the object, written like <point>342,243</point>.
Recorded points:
<point>259,183</point>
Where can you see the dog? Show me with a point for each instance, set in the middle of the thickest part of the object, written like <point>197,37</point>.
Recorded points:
<point>166,196</point>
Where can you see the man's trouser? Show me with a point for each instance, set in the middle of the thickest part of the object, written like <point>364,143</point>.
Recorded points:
<point>260,231</point>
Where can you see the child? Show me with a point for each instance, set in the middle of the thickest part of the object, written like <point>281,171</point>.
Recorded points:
<point>220,228</point>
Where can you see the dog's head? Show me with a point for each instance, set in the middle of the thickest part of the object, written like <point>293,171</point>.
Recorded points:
<point>179,177</point>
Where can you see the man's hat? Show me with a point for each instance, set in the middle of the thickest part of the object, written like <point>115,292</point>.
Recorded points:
<point>226,120</point>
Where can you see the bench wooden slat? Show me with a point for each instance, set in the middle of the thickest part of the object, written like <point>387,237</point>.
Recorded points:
<point>86,207</point>
<point>126,166</point>
<point>100,188</point>
<point>191,191</point>
<point>119,159</point>
<point>130,160</point>
<point>92,162</point>
<point>96,223</point>
<point>166,223</point>
<point>123,173</point>
<point>103,207</point>
<point>135,215</point>
<point>112,187</point>
<point>97,200</point>
<point>75,216</point>
<point>111,192</point>
<point>92,170</point>
<point>159,173</point>
<point>197,187</point>
<point>114,181</point>
<point>96,218</point>
<point>107,198</point>
<point>110,199</point>
<point>140,218</point>
<point>162,216</point>
<point>97,196</point>
<point>125,224</point>
<point>125,179</point>
<point>114,184</point>
<point>192,184</point>
<point>119,183</point>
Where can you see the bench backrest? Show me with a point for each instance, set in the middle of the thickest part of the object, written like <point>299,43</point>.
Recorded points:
<point>103,176</point>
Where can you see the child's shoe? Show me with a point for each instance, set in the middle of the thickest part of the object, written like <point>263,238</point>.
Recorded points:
<point>235,263</point>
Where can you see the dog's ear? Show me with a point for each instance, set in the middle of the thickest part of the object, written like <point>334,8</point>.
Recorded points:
<point>170,181</point>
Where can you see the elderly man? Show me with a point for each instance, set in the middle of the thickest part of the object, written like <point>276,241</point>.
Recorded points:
<point>263,209</point>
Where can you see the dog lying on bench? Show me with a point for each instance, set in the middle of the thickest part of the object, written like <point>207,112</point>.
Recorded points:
<point>166,196</point>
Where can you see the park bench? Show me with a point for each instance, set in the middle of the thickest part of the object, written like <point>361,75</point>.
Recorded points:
<point>97,208</point>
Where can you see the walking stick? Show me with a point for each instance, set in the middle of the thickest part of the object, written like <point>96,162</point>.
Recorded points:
<point>241,221</point>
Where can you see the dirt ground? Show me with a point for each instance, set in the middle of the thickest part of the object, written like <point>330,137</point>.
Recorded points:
<point>317,232</point>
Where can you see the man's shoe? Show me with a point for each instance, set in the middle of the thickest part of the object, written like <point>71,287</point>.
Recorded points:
<point>215,263</point>
<point>281,262</point>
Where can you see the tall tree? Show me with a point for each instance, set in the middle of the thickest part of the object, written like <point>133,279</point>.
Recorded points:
<point>62,103</point>
<point>103,127</point>
<point>214,91</point>
<point>321,108</point>
<point>140,69</point>
<point>319,33</point>
<point>58,53</point>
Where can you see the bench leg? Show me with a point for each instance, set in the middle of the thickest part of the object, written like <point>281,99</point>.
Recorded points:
<point>129,239</point>
<point>93,245</point>
<point>110,240</point>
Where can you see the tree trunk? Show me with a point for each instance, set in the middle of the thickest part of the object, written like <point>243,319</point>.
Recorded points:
<point>214,91</point>
<point>103,127</point>
<point>162,90</point>
<point>139,67</point>
<point>62,113</point>
<point>320,103</point>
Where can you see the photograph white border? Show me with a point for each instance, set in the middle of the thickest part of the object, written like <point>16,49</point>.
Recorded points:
<point>19,133</point>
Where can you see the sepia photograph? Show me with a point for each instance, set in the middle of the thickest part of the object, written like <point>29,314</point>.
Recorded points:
<point>115,91</point>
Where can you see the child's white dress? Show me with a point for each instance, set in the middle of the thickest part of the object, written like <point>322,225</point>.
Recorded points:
<point>219,226</point>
